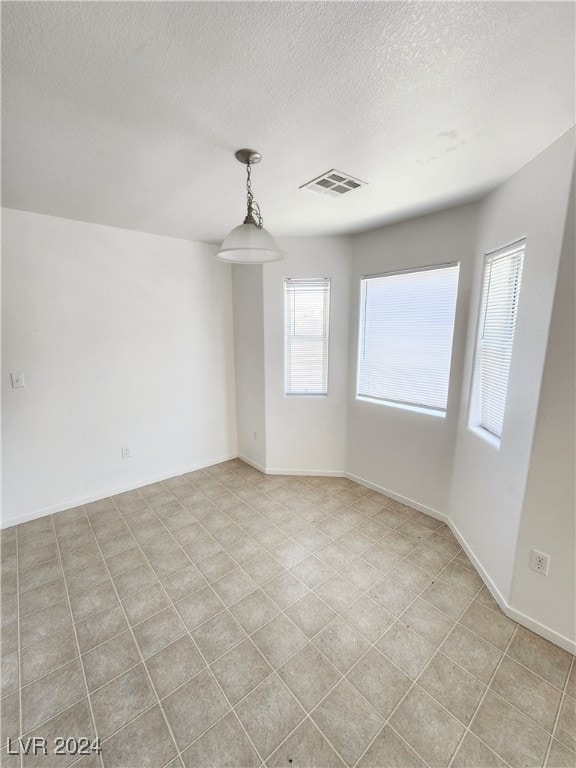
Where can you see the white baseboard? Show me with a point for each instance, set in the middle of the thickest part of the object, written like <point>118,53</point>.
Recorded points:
<point>398,497</point>
<point>71,503</point>
<point>541,629</point>
<point>507,609</point>
<point>494,591</point>
<point>252,463</point>
<point>305,472</point>
<point>291,472</point>
<point>535,626</point>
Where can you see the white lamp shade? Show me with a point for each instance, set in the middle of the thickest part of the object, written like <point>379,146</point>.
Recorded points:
<point>247,244</point>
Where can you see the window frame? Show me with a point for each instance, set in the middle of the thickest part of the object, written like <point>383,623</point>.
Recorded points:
<point>474,404</point>
<point>326,337</point>
<point>404,405</point>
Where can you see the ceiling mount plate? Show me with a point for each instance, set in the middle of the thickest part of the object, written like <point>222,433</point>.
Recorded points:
<point>248,156</point>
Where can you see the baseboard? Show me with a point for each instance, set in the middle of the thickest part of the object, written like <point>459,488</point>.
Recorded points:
<point>493,589</point>
<point>541,629</point>
<point>252,463</point>
<point>305,472</point>
<point>71,503</point>
<point>398,497</point>
<point>291,472</point>
<point>507,609</point>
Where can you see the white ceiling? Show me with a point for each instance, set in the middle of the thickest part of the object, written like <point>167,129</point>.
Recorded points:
<point>128,113</point>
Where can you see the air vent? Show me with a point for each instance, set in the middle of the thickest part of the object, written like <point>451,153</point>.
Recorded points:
<point>334,183</point>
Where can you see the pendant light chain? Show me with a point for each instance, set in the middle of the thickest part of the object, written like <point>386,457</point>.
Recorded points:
<point>254,216</point>
<point>250,243</point>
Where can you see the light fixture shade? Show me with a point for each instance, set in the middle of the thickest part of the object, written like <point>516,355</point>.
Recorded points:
<point>247,244</point>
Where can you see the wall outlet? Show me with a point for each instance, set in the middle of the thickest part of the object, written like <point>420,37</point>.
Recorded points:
<point>255,434</point>
<point>539,562</point>
<point>17,380</point>
<point>126,453</point>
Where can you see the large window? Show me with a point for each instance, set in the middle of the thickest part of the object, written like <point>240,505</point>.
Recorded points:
<point>406,329</point>
<point>496,325</point>
<point>307,309</point>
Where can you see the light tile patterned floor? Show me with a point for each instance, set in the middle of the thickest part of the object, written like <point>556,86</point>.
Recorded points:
<point>227,618</point>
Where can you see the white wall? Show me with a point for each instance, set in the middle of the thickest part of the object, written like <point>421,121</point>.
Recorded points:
<point>249,362</point>
<point>124,338</point>
<point>307,433</point>
<point>489,484</point>
<point>410,454</point>
<point>548,517</point>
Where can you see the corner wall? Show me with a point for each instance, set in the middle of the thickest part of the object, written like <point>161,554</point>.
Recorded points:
<point>489,484</point>
<point>294,434</point>
<point>124,338</point>
<point>247,289</point>
<point>491,497</point>
<point>307,434</point>
<point>397,450</point>
<point>549,513</point>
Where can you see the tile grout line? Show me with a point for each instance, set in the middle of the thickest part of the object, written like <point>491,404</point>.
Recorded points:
<point>172,603</point>
<point>20,717</point>
<point>199,651</point>
<point>477,708</point>
<point>77,647</point>
<point>137,648</point>
<point>557,718</point>
<point>309,639</point>
<point>229,607</point>
<point>274,669</point>
<point>470,599</point>
<point>500,696</point>
<point>364,594</point>
<point>342,676</point>
<point>415,683</point>
<point>288,536</point>
<point>331,539</point>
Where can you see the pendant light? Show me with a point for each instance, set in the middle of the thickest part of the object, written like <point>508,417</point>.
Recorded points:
<point>250,243</point>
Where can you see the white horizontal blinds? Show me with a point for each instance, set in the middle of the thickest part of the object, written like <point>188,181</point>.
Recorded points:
<point>307,308</point>
<point>406,329</point>
<point>502,276</point>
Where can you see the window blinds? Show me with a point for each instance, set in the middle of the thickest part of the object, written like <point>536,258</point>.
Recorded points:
<point>307,308</point>
<point>497,322</point>
<point>406,329</point>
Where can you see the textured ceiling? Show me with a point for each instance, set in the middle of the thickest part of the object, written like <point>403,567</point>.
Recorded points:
<point>128,113</point>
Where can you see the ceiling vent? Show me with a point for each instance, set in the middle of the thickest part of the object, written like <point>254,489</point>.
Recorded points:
<point>333,183</point>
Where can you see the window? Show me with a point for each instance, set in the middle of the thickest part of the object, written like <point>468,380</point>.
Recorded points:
<point>496,324</point>
<point>406,329</point>
<point>306,313</point>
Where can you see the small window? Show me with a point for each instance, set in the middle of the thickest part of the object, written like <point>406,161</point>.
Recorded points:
<point>307,309</point>
<point>406,330</point>
<point>496,325</point>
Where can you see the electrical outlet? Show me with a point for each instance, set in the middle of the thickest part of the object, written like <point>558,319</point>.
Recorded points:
<point>126,453</point>
<point>255,434</point>
<point>17,380</point>
<point>539,562</point>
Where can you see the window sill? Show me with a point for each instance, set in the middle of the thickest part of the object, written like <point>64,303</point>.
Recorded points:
<point>402,407</point>
<point>486,436</point>
<point>299,396</point>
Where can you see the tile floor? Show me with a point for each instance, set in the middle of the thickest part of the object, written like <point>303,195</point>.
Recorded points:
<point>226,618</point>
